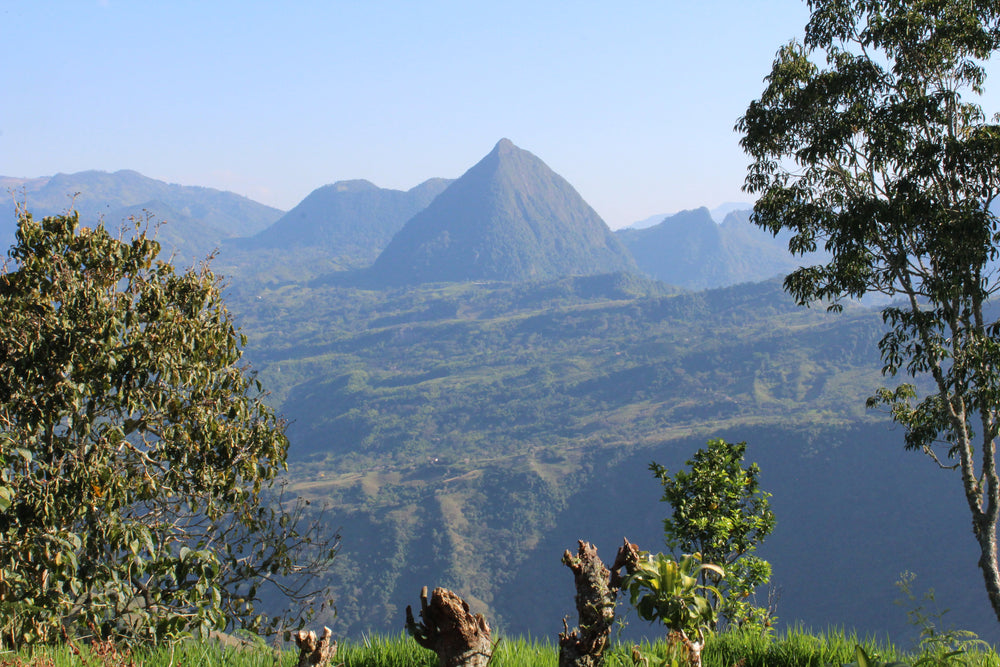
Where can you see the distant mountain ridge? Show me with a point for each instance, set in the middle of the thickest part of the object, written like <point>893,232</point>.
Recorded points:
<point>197,218</point>
<point>719,214</point>
<point>509,217</point>
<point>690,250</point>
<point>353,220</point>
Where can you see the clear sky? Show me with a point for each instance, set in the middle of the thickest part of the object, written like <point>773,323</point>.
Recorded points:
<point>632,102</point>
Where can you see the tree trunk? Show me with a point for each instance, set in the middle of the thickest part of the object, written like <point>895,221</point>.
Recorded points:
<point>459,638</point>
<point>315,652</point>
<point>596,594</point>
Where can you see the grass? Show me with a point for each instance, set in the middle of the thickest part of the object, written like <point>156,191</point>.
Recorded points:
<point>794,648</point>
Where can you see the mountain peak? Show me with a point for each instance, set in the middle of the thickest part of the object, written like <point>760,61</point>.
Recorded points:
<point>509,217</point>
<point>504,146</point>
<point>356,185</point>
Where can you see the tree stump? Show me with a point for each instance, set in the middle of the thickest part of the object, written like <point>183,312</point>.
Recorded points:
<point>596,595</point>
<point>627,557</point>
<point>315,652</point>
<point>688,651</point>
<point>459,638</point>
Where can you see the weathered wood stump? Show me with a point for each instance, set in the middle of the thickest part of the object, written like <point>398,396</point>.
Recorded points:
<point>313,651</point>
<point>688,651</point>
<point>596,594</point>
<point>447,627</point>
<point>627,558</point>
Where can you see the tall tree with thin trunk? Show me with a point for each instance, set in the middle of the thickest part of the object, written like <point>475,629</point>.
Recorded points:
<point>863,144</point>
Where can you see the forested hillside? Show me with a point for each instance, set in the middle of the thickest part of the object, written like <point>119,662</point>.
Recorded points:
<point>465,434</point>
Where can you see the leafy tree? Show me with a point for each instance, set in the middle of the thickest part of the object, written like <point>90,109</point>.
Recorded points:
<point>719,511</point>
<point>862,143</point>
<point>136,453</point>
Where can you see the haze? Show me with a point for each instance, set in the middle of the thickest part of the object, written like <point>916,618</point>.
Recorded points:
<point>633,102</point>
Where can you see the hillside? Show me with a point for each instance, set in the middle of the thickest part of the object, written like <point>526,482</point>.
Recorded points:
<point>507,218</point>
<point>465,434</point>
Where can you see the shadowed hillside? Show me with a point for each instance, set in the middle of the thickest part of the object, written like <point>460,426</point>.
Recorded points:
<point>467,433</point>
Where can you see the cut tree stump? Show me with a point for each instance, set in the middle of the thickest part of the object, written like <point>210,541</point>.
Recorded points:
<point>596,594</point>
<point>313,651</point>
<point>447,627</point>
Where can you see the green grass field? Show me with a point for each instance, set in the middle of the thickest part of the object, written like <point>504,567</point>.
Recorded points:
<point>795,648</point>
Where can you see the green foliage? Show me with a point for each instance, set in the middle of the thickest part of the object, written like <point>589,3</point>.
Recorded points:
<point>137,452</point>
<point>719,511</point>
<point>941,646</point>
<point>875,156</point>
<point>461,370</point>
<point>667,590</point>
<point>862,659</point>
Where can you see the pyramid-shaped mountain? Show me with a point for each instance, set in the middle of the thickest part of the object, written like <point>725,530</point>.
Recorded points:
<point>508,218</point>
<point>353,220</point>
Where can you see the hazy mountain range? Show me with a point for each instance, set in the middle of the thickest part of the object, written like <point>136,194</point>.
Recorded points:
<point>719,214</point>
<point>509,217</point>
<point>197,219</point>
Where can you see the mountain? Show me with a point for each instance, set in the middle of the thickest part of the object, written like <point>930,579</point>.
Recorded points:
<point>196,219</point>
<point>719,214</point>
<point>690,250</point>
<point>508,218</point>
<point>352,220</point>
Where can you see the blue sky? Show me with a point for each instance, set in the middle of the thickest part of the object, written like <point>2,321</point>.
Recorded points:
<point>632,102</point>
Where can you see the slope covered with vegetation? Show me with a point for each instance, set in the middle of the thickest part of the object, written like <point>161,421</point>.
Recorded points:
<point>465,434</point>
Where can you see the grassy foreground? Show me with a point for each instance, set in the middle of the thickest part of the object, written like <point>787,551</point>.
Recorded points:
<point>795,648</point>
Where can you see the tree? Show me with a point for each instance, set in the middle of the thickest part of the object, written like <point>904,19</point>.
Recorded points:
<point>874,154</point>
<point>719,511</point>
<point>137,456</point>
